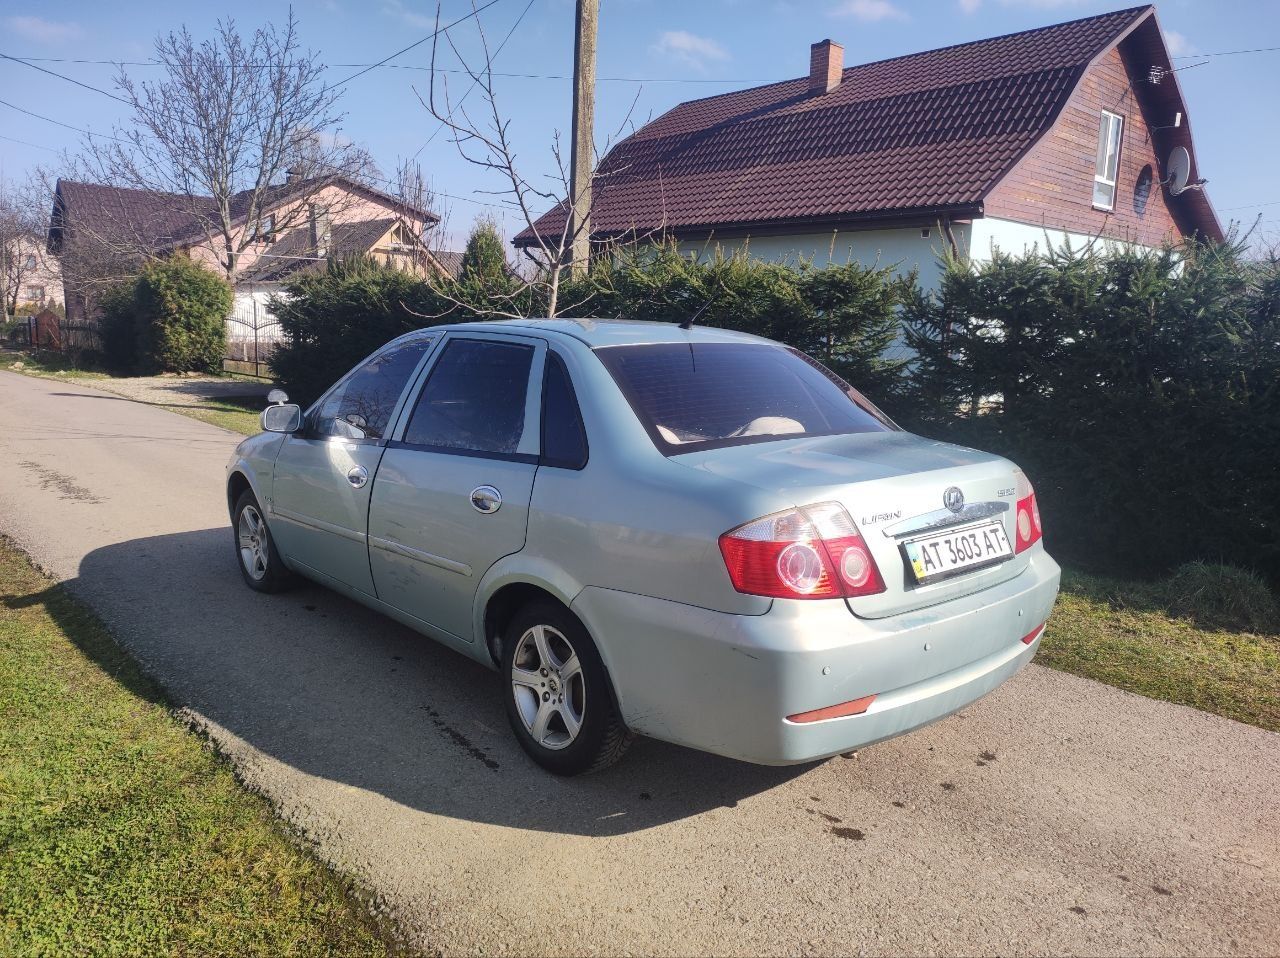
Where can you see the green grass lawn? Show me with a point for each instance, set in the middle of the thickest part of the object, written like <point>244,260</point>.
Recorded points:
<point>1121,633</point>
<point>47,364</point>
<point>239,414</point>
<point>123,833</point>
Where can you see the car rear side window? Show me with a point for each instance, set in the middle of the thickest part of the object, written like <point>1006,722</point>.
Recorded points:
<point>692,396</point>
<point>361,407</point>
<point>474,399</point>
<point>564,438</point>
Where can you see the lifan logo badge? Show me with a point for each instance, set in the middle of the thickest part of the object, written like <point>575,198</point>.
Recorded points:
<point>953,499</point>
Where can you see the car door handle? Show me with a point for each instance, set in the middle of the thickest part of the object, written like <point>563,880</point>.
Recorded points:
<point>486,499</point>
<point>357,476</point>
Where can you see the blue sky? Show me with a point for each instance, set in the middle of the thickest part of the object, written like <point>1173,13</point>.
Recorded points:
<point>678,48</point>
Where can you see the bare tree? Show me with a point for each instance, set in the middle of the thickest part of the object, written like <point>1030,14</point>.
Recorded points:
<point>236,125</point>
<point>23,258</point>
<point>415,196</point>
<point>482,136</point>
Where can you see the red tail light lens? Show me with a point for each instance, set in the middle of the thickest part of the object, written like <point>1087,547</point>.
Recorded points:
<point>1028,523</point>
<point>811,553</point>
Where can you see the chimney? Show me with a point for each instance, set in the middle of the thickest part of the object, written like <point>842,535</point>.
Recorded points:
<point>826,61</point>
<point>321,228</point>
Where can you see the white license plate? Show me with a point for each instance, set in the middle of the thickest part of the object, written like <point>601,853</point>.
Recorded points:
<point>938,555</point>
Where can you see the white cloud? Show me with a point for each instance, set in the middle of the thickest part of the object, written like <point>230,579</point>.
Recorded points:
<point>397,9</point>
<point>690,48</point>
<point>868,11</point>
<point>970,6</point>
<point>1178,44</point>
<point>43,31</point>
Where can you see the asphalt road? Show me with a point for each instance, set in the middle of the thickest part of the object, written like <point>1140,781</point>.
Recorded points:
<point>1057,815</point>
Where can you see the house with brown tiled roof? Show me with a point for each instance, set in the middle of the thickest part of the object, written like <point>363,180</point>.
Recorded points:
<point>1059,134</point>
<point>102,233</point>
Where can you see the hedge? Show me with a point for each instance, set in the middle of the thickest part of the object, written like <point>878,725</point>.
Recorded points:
<point>1138,389</point>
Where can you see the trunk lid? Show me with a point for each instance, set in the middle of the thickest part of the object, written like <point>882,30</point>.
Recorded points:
<point>892,484</point>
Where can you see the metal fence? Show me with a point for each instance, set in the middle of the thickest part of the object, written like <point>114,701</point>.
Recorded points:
<point>252,335</point>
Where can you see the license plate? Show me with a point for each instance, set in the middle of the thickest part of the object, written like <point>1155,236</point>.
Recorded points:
<point>938,555</point>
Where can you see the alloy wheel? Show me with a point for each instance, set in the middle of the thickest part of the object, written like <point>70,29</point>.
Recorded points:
<point>549,687</point>
<point>252,534</point>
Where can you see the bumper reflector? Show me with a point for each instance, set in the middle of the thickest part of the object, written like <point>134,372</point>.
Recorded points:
<point>1034,634</point>
<point>856,707</point>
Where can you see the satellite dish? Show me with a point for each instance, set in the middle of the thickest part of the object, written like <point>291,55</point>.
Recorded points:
<point>1177,170</point>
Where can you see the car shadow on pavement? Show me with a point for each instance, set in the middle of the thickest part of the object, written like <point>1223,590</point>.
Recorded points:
<point>334,690</point>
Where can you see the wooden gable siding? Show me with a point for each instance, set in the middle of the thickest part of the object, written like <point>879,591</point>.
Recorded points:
<point>1053,184</point>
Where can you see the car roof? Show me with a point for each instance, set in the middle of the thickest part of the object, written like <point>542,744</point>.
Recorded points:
<point>614,332</point>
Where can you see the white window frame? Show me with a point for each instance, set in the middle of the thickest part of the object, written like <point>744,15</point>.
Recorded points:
<point>1107,161</point>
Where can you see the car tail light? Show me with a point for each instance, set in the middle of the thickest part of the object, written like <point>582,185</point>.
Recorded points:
<point>814,552</point>
<point>1027,529</point>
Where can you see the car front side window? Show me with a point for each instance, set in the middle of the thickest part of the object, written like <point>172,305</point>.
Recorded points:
<point>361,407</point>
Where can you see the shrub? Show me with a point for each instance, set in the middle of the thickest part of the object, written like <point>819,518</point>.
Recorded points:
<point>118,328</point>
<point>1138,388</point>
<point>334,318</point>
<point>845,316</point>
<point>181,312</point>
<point>1221,596</point>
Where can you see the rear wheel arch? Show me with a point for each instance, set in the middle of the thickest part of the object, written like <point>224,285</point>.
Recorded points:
<point>507,601</point>
<point>502,607</point>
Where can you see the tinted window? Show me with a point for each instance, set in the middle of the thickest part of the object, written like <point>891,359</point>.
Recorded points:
<point>564,440</point>
<point>475,398</point>
<point>361,407</point>
<point>702,395</point>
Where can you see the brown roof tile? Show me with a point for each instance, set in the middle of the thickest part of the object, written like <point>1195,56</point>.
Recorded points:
<point>915,133</point>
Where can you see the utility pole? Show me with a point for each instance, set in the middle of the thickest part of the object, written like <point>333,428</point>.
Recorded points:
<point>584,109</point>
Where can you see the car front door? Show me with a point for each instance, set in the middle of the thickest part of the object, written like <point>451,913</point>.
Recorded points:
<point>319,503</point>
<point>452,493</point>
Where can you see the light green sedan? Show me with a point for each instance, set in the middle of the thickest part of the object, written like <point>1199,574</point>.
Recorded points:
<point>692,534</point>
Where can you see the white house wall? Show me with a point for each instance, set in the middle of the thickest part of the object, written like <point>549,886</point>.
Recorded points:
<point>902,249</point>
<point>990,233</point>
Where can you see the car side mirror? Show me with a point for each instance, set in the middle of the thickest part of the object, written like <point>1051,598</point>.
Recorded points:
<point>282,417</point>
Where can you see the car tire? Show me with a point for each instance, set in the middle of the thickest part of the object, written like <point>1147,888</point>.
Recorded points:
<point>558,697</point>
<point>255,550</point>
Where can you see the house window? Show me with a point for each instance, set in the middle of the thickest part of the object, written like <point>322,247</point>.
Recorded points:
<point>1110,131</point>
<point>267,228</point>
<point>33,294</point>
<point>30,263</point>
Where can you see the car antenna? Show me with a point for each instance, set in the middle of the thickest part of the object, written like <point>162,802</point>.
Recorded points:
<point>688,323</point>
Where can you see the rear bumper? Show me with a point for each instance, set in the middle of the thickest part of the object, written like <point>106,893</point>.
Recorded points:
<point>725,683</point>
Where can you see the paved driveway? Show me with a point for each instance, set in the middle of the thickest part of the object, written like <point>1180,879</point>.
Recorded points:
<point>1057,815</point>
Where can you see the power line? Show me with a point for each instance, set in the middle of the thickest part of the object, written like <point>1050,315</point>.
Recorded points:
<point>417,43</point>
<point>113,63</point>
<point>1225,53</point>
<point>1249,206</point>
<point>13,139</point>
<point>34,66</point>
<point>475,80</point>
<point>66,126</point>
<point>427,69</point>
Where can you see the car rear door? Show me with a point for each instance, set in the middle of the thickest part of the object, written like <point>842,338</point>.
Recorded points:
<point>452,491</point>
<point>319,502</point>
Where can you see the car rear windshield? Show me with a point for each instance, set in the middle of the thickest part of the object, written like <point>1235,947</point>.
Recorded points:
<point>693,396</point>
